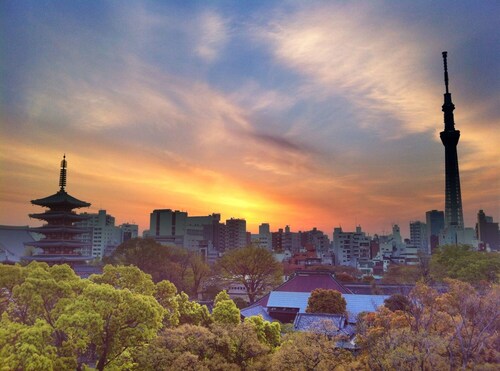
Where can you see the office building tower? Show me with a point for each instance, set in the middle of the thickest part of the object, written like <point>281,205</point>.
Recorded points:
<point>487,232</point>
<point>236,233</point>
<point>435,224</point>
<point>418,236</point>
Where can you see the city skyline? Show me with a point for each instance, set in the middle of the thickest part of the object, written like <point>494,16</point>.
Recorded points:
<point>314,115</point>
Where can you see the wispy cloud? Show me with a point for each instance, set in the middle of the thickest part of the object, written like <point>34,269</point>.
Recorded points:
<point>213,35</point>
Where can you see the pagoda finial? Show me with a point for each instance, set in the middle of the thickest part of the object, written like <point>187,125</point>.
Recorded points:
<point>445,55</point>
<point>62,177</point>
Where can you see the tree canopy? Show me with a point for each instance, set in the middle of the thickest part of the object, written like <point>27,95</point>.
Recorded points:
<point>463,263</point>
<point>185,269</point>
<point>326,301</point>
<point>253,267</point>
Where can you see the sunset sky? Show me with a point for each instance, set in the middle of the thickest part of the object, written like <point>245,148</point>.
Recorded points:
<point>306,113</point>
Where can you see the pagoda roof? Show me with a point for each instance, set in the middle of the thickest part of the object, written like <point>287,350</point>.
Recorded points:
<point>57,258</point>
<point>60,198</point>
<point>51,215</point>
<point>57,243</point>
<point>60,229</point>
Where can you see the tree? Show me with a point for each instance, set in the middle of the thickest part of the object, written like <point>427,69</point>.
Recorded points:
<point>326,301</point>
<point>402,274</point>
<point>452,330</point>
<point>191,312</point>
<point>268,333</point>
<point>253,267</point>
<point>309,351</point>
<point>125,277</point>
<point>186,270</point>
<point>397,302</point>
<point>165,294</point>
<point>192,347</point>
<point>226,312</point>
<point>123,320</point>
<point>56,320</point>
<point>144,253</point>
<point>200,271</point>
<point>462,263</point>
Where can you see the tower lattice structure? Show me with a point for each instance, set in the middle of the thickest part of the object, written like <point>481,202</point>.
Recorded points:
<point>449,138</point>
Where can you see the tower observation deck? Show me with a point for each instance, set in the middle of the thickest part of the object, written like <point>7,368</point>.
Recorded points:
<point>449,138</point>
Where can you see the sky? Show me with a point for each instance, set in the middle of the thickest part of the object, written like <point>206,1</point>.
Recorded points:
<point>301,113</point>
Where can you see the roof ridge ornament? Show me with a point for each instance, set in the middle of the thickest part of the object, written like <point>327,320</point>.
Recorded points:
<point>62,177</point>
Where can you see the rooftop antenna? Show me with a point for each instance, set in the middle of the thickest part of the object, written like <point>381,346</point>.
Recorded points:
<point>445,55</point>
<point>62,177</point>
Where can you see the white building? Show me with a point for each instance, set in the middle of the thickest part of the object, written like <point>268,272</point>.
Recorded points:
<point>103,235</point>
<point>418,236</point>
<point>350,247</point>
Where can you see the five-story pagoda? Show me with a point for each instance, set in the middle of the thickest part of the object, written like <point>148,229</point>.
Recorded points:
<point>59,244</point>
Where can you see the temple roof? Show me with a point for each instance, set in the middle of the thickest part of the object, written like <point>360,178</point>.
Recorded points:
<point>60,198</point>
<point>60,229</point>
<point>45,244</point>
<point>54,215</point>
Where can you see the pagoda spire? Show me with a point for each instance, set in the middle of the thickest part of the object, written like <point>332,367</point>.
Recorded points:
<point>62,177</point>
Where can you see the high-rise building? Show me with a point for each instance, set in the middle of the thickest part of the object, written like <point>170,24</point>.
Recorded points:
<point>350,247</point>
<point>449,137</point>
<point>418,236</point>
<point>435,224</point>
<point>129,231</point>
<point>487,232</point>
<point>196,231</point>
<point>264,237</point>
<point>167,226</point>
<point>236,233</point>
<point>103,236</point>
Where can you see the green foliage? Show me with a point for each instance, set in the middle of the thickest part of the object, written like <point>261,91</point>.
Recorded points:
<point>55,320</point>
<point>28,347</point>
<point>226,312</point>
<point>123,277</point>
<point>462,263</point>
<point>326,301</point>
<point>190,312</point>
<point>253,267</point>
<point>165,295</point>
<point>192,347</point>
<point>310,351</point>
<point>268,333</point>
<point>123,319</point>
<point>186,270</point>
<point>222,295</point>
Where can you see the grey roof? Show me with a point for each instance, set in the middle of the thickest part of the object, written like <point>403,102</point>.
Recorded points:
<point>256,310</point>
<point>286,299</point>
<point>362,303</point>
<point>355,303</point>
<point>12,242</point>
